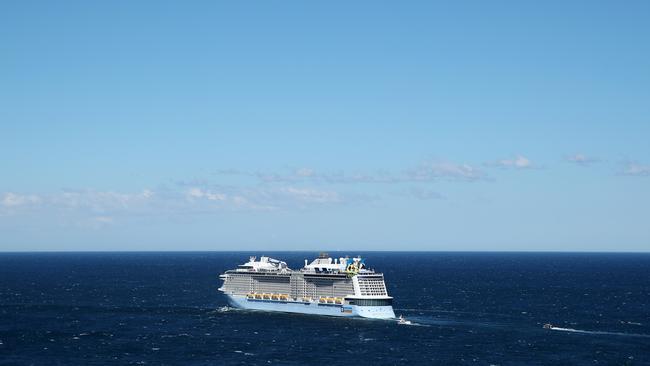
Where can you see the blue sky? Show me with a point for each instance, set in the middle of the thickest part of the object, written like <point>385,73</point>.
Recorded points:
<point>325,125</point>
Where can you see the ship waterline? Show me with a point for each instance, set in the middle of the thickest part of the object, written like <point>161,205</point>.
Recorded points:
<point>326,286</point>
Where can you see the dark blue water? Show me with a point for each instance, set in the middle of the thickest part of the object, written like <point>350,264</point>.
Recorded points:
<point>471,308</point>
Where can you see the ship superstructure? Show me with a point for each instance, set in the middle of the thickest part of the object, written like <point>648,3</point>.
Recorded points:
<point>326,286</point>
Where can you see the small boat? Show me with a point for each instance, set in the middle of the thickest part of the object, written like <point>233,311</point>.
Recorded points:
<point>403,321</point>
<point>547,326</point>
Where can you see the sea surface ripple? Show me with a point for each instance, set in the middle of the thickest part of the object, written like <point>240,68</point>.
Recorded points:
<point>466,309</point>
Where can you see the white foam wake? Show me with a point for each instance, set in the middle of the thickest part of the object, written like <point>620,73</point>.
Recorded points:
<point>571,330</point>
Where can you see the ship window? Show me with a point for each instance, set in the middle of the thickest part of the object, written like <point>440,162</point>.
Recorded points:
<point>372,302</point>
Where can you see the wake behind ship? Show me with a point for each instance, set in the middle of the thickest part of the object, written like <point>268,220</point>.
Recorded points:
<point>326,286</point>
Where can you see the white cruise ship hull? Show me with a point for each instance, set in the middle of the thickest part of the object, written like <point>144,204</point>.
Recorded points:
<point>376,312</point>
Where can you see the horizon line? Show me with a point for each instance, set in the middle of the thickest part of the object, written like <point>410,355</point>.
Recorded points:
<point>327,251</point>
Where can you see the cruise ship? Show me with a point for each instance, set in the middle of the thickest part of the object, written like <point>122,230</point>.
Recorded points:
<point>326,286</point>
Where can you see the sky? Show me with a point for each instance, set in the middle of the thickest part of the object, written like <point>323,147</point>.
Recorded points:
<point>325,125</point>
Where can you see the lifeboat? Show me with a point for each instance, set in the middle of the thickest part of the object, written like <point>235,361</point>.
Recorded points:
<point>266,296</point>
<point>284,297</point>
<point>275,297</point>
<point>322,300</point>
<point>258,296</point>
<point>330,300</point>
<point>338,300</point>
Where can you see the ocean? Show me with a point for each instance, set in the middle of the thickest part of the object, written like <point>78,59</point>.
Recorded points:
<point>466,309</point>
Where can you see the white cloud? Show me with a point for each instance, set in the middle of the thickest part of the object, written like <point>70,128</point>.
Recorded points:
<point>240,201</point>
<point>211,196</point>
<point>427,171</point>
<point>305,172</point>
<point>100,201</point>
<point>310,175</point>
<point>95,208</point>
<point>10,199</point>
<point>262,198</point>
<point>434,170</point>
<point>582,159</point>
<point>635,169</point>
<point>517,162</point>
<point>312,195</point>
<point>276,178</point>
<point>89,202</point>
<point>195,192</point>
<point>103,219</point>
